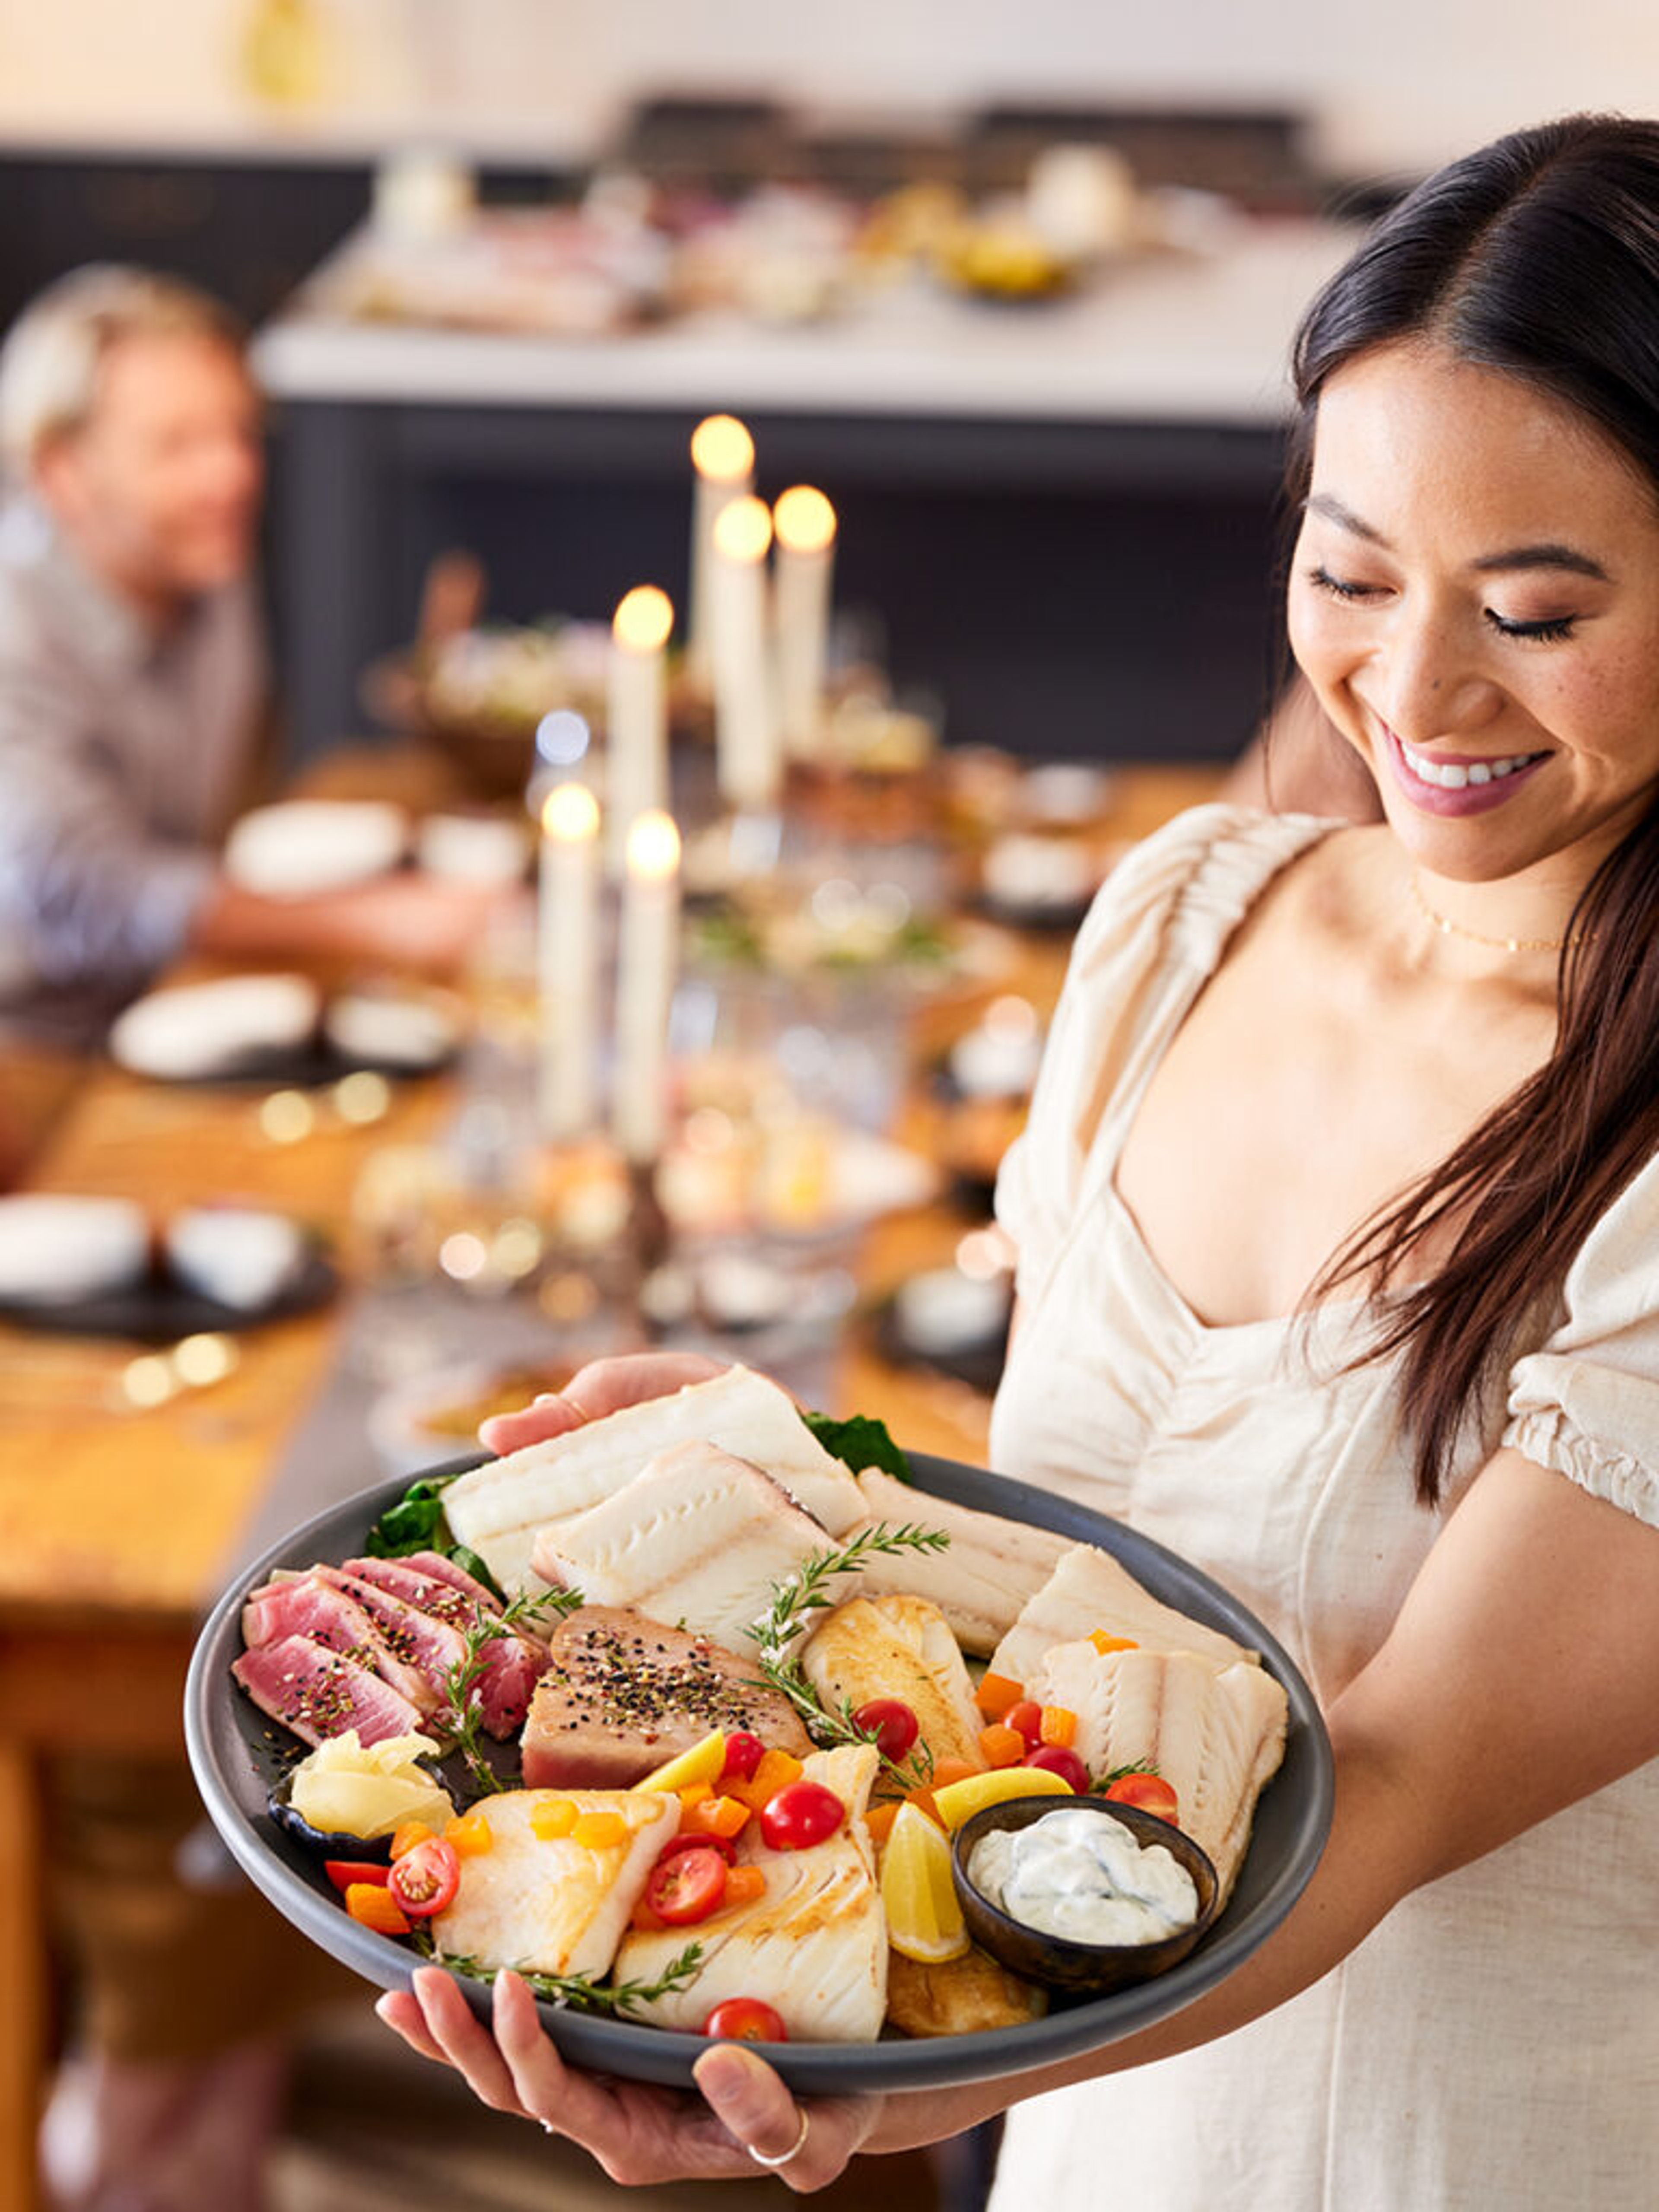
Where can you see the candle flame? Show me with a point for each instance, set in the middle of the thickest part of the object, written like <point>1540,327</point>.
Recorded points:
<point>643,619</point>
<point>653,846</point>
<point>805,519</point>
<point>722,448</point>
<point>570,812</point>
<point>743,531</point>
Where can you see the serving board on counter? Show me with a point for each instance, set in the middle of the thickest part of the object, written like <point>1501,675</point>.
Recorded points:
<point>235,1755</point>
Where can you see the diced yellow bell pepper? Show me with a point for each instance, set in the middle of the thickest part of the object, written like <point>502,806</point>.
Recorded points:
<point>551,1817</point>
<point>600,1832</point>
<point>468,1834</point>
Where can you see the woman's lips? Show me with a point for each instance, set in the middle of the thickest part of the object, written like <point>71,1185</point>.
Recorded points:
<point>1473,799</point>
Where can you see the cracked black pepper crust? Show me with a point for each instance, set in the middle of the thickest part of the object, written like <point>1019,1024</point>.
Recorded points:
<point>627,1675</point>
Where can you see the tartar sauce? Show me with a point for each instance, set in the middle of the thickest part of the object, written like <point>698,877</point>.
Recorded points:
<point>1080,1874</point>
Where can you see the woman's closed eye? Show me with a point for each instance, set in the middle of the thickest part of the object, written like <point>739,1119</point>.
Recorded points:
<point>1555,627</point>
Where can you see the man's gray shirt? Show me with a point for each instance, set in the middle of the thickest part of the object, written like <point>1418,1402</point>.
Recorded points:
<point>123,756</point>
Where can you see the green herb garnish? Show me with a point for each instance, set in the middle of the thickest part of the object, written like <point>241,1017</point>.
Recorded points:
<point>462,1713</point>
<point>580,1993</point>
<point>859,1443</point>
<point>417,1523</point>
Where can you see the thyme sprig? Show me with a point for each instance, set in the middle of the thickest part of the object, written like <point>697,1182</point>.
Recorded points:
<point>578,1992</point>
<point>809,1590</point>
<point>463,1709</point>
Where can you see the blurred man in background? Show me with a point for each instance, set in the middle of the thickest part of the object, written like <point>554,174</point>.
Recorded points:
<point>132,679</point>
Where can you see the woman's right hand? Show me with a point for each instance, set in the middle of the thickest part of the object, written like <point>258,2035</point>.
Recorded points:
<point>604,1386</point>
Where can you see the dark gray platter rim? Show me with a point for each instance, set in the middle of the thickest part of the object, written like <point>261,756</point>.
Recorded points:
<point>232,1756</point>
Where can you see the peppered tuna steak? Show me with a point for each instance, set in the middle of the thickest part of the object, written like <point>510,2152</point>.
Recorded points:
<point>622,1695</point>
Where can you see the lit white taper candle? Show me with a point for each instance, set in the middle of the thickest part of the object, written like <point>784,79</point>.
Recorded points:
<point>804,522</point>
<point>748,761</point>
<point>569,962</point>
<point>723,458</point>
<point>647,962</point>
<point>636,739</point>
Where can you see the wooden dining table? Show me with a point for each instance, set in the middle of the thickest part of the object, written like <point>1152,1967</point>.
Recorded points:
<point>119,1523</point>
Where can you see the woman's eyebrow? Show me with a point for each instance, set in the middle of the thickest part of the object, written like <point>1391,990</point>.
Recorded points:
<point>1549,555</point>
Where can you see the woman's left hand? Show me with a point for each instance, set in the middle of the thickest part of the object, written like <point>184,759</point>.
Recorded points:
<point>638,2134</point>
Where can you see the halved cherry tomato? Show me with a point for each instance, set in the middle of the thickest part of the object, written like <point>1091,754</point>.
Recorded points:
<point>405,1838</point>
<point>745,2019</point>
<point>344,1872</point>
<point>687,1887</point>
<point>372,1904</point>
<point>1149,1791</point>
<point>894,1726</point>
<point>743,1753</point>
<point>801,1814</point>
<point>1065,1763</point>
<point>691,1841</point>
<point>424,1880</point>
<point>1027,1717</point>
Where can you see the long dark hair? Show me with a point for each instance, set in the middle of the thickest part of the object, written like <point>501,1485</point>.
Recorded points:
<point>1537,256</point>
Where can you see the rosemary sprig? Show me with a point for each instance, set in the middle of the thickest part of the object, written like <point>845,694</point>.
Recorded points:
<point>578,1992</point>
<point>808,1590</point>
<point>463,1710</point>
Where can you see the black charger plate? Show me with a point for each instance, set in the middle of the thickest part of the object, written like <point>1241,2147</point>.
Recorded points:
<point>159,1309</point>
<point>235,1756</point>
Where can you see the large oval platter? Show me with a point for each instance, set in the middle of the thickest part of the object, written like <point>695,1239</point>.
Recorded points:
<point>235,1758</point>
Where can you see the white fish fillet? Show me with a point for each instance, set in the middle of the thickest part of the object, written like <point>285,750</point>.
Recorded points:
<point>1088,1589</point>
<point>499,1508</point>
<point>1216,1735</point>
<point>814,1947</point>
<point>696,1537</point>
<point>553,1907</point>
<point>992,1567</point>
<point>898,1647</point>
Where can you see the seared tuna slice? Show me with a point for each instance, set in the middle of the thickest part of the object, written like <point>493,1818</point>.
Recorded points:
<point>305,1605</point>
<point>320,1694</point>
<point>622,1695</point>
<point>513,1662</point>
<point>429,1647</point>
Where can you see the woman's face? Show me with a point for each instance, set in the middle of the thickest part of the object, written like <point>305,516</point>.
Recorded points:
<point>1474,597</point>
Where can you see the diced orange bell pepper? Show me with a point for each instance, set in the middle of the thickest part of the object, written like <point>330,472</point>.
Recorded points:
<point>405,1838</point>
<point>743,1884</point>
<point>600,1832</point>
<point>552,1817</point>
<point>468,1834</point>
<point>694,1794</point>
<point>923,1802</point>
<point>1003,1746</point>
<point>1104,1644</point>
<point>951,1770</point>
<point>995,1693</point>
<point>716,1816</point>
<point>1059,1726</point>
<point>879,1821</point>
<point>775,1770</point>
<point>372,1904</point>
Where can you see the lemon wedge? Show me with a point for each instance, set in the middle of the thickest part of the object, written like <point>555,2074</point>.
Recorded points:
<point>702,1762</point>
<point>924,1920</point>
<point>957,1800</point>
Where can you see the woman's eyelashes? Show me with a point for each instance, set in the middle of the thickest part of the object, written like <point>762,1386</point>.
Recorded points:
<point>1556,627</point>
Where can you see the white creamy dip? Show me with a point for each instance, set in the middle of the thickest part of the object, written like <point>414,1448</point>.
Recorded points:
<point>1081,1874</point>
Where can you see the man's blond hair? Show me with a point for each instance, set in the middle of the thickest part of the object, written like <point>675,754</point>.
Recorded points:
<point>51,358</point>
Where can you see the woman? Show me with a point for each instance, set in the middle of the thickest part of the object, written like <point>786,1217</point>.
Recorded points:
<point>1436,1472</point>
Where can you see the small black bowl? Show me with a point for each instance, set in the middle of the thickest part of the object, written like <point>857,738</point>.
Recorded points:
<point>1056,1960</point>
<point>327,1842</point>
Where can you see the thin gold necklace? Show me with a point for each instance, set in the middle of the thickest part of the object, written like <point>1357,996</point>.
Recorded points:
<point>1450,928</point>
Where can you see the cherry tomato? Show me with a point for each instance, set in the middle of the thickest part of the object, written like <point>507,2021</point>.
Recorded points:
<point>1065,1763</point>
<point>344,1872</point>
<point>693,1840</point>
<point>894,1726</point>
<point>743,1753</point>
<point>1027,1717</point>
<point>745,2019</point>
<point>802,1814</point>
<point>1149,1791</point>
<point>424,1880</point>
<point>688,1886</point>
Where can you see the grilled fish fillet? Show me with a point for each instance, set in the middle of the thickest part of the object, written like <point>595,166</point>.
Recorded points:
<point>992,1567</point>
<point>554,1906</point>
<point>814,1946</point>
<point>959,1996</point>
<point>1088,1589</point>
<point>898,1647</point>
<point>498,1508</point>
<point>1216,1735</point>
<point>697,1538</point>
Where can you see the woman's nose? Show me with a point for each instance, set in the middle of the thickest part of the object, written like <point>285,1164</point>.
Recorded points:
<point>1432,685</point>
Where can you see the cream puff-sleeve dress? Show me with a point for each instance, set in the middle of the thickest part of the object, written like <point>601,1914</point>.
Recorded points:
<point>1493,2047</point>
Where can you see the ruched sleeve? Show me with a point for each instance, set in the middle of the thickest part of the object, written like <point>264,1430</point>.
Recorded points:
<point>1155,931</point>
<point>1586,1403</point>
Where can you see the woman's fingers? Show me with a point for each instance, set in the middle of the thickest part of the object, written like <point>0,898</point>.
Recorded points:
<point>404,2016</point>
<point>604,1386</point>
<point>756,2108</point>
<point>549,1415</point>
<point>464,2041</point>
